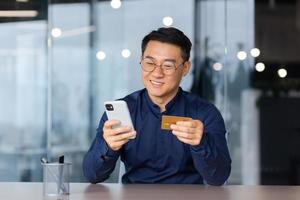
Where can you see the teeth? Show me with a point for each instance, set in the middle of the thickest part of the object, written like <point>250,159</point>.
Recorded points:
<point>156,83</point>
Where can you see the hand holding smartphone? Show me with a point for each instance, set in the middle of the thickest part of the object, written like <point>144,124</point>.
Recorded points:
<point>118,110</point>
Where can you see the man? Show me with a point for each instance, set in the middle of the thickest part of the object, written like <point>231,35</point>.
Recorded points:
<point>193,152</point>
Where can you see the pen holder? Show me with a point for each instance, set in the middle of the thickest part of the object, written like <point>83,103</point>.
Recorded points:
<point>56,179</point>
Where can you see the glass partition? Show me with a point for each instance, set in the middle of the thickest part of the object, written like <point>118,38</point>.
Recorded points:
<point>23,86</point>
<point>225,37</point>
<point>70,97</point>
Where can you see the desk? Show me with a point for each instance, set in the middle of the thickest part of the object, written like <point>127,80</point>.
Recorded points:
<point>84,191</point>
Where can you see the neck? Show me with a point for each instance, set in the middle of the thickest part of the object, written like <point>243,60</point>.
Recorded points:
<point>162,101</point>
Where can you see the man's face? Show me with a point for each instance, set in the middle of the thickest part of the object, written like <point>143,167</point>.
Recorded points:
<point>158,84</point>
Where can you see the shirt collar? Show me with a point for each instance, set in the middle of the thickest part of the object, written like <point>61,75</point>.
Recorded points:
<point>155,108</point>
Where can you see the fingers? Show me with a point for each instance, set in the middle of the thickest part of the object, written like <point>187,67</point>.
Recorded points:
<point>109,130</point>
<point>189,132</point>
<point>119,130</point>
<point>190,123</point>
<point>117,137</point>
<point>187,138</point>
<point>110,123</point>
<point>117,145</point>
<point>115,142</point>
<point>182,128</point>
<point>123,136</point>
<point>188,141</point>
<point>184,134</point>
<point>190,126</point>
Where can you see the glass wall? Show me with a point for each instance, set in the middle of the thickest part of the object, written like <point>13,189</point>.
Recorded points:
<point>70,64</point>
<point>23,86</point>
<point>225,29</point>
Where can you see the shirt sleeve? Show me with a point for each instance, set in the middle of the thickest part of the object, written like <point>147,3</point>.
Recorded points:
<point>100,160</point>
<point>211,157</point>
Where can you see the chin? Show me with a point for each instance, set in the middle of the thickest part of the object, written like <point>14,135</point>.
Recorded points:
<point>155,92</point>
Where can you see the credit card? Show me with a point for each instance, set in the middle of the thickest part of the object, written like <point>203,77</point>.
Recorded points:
<point>167,120</point>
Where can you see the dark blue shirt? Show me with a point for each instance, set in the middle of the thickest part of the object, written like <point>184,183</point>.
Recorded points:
<point>156,155</point>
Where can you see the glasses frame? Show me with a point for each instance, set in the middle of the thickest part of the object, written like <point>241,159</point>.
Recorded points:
<point>156,65</point>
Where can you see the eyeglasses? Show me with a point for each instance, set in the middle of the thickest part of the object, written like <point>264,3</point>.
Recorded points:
<point>168,67</point>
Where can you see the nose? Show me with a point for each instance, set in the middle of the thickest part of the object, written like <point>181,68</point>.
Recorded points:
<point>158,72</point>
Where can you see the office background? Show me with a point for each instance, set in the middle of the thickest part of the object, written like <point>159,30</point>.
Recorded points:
<point>61,59</point>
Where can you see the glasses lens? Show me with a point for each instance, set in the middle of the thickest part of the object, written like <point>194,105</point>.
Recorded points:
<point>168,67</point>
<point>148,65</point>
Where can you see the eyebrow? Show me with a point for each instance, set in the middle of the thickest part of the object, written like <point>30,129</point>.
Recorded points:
<point>168,59</point>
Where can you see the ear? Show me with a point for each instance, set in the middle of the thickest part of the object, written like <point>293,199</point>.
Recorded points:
<point>186,68</point>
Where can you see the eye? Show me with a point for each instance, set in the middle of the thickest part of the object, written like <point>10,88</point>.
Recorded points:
<point>149,63</point>
<point>168,66</point>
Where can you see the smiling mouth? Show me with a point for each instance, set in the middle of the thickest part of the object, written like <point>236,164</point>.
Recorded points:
<point>156,83</point>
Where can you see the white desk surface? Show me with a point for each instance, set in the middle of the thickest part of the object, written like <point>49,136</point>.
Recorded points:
<point>85,191</point>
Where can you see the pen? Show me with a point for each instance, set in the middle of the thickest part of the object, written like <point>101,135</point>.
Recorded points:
<point>60,177</point>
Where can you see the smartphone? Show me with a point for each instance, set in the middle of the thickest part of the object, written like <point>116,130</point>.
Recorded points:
<point>118,110</point>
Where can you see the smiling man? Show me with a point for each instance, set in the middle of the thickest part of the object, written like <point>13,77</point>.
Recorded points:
<point>194,151</point>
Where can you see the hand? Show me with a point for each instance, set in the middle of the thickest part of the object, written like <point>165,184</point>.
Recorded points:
<point>189,132</point>
<point>117,137</point>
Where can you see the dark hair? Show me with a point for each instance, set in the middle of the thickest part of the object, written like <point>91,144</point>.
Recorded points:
<point>170,35</point>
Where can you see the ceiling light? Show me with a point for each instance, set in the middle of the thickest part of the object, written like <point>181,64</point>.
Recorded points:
<point>115,4</point>
<point>18,13</point>
<point>56,32</point>
<point>241,55</point>
<point>126,53</point>
<point>260,67</point>
<point>217,66</point>
<point>167,21</point>
<point>255,52</point>
<point>78,31</point>
<point>101,55</point>
<point>282,73</point>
